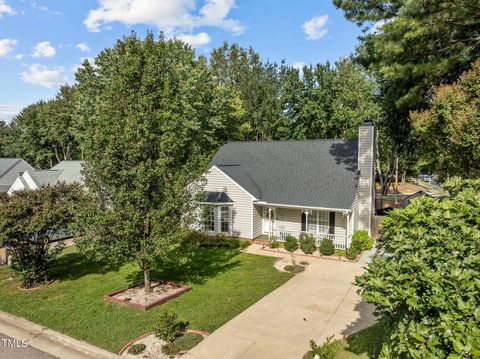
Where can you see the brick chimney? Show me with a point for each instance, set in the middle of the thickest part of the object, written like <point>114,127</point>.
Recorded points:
<point>366,180</point>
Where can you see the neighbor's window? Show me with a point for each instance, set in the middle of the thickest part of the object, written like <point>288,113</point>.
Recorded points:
<point>224,219</point>
<point>209,218</point>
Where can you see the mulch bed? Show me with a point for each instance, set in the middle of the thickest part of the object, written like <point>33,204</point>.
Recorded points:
<point>136,297</point>
<point>149,339</point>
<point>318,256</point>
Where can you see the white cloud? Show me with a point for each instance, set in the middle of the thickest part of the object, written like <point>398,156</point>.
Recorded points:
<point>5,9</point>
<point>315,28</point>
<point>170,16</point>
<point>83,47</point>
<point>43,49</point>
<point>18,56</point>
<point>298,65</point>
<point>91,60</point>
<point>6,46</point>
<point>7,111</point>
<point>195,40</point>
<point>43,76</point>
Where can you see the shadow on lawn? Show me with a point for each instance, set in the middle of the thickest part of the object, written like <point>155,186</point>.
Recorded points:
<point>205,263</point>
<point>360,339</point>
<point>74,265</point>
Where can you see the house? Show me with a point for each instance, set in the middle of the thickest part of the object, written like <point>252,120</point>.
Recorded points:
<point>10,169</point>
<point>65,171</point>
<point>256,190</point>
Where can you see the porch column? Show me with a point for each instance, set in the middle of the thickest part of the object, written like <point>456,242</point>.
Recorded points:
<point>307,213</point>
<point>348,229</point>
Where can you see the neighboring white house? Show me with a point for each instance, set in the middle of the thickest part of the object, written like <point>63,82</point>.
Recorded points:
<point>65,171</point>
<point>10,169</point>
<point>277,188</point>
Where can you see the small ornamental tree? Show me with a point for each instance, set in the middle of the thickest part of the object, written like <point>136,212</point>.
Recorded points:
<point>29,221</point>
<point>147,113</point>
<point>425,284</point>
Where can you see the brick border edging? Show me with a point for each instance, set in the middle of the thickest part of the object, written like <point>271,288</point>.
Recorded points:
<point>316,257</point>
<point>204,334</point>
<point>110,297</point>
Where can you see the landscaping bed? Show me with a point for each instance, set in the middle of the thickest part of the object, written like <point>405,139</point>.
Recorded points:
<point>136,297</point>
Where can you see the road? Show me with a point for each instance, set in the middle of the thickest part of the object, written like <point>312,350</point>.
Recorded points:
<point>19,353</point>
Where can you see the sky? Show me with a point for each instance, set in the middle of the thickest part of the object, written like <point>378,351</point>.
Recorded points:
<point>43,41</point>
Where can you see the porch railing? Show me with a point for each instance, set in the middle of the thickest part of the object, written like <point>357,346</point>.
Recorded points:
<point>339,241</point>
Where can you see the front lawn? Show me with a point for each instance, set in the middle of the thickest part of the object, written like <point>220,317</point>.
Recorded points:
<point>224,283</point>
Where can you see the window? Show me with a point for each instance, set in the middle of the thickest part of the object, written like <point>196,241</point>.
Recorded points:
<point>312,222</point>
<point>224,219</point>
<point>323,222</point>
<point>209,218</point>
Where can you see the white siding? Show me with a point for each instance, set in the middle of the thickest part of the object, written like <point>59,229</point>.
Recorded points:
<point>242,209</point>
<point>257,221</point>
<point>340,224</point>
<point>289,219</point>
<point>10,177</point>
<point>355,212</point>
<point>366,179</point>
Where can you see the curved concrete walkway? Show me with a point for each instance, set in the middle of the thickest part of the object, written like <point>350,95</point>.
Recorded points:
<point>313,305</point>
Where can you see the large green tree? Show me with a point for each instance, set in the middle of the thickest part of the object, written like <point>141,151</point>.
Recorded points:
<point>412,46</point>
<point>30,221</point>
<point>255,85</point>
<point>3,138</point>
<point>148,112</point>
<point>326,102</point>
<point>449,131</point>
<point>44,133</point>
<point>425,281</point>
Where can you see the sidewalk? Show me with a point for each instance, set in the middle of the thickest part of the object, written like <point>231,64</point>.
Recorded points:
<point>49,341</point>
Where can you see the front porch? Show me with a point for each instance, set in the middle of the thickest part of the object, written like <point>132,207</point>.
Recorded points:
<point>281,221</point>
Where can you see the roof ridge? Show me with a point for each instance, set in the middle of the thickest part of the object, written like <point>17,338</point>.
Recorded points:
<point>303,140</point>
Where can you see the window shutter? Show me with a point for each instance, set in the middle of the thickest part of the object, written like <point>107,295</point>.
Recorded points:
<point>304,222</point>
<point>331,227</point>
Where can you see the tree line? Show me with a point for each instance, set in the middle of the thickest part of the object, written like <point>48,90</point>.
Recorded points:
<point>252,99</point>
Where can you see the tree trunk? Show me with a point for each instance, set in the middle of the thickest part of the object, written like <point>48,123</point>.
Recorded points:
<point>146,279</point>
<point>396,182</point>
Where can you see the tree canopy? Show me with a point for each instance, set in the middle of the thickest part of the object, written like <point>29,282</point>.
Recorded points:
<point>425,283</point>
<point>412,46</point>
<point>148,111</point>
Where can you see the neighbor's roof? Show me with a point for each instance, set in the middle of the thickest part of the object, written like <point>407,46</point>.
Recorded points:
<point>216,197</point>
<point>6,164</point>
<point>311,173</point>
<point>44,177</point>
<point>70,171</point>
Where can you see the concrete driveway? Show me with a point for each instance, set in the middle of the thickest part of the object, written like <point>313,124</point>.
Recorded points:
<point>313,305</point>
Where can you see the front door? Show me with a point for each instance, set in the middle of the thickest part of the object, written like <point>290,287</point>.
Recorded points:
<point>269,220</point>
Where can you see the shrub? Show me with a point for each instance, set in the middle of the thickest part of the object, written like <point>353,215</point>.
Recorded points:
<point>217,241</point>
<point>327,247</point>
<point>294,268</point>
<point>340,252</point>
<point>362,240</point>
<point>426,286</point>
<point>325,351</point>
<point>136,349</point>
<point>291,243</point>
<point>307,243</point>
<point>29,221</point>
<point>188,340</point>
<point>352,253</point>
<point>170,349</point>
<point>168,327</point>
<point>304,263</point>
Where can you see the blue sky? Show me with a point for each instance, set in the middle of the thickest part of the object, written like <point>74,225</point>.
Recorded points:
<point>42,41</point>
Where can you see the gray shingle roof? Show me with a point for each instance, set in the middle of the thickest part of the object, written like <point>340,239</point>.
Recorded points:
<point>312,173</point>
<point>44,177</point>
<point>70,171</point>
<point>217,197</point>
<point>6,164</point>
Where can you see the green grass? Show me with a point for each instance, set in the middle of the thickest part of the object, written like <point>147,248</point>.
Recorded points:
<point>366,344</point>
<point>224,283</point>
